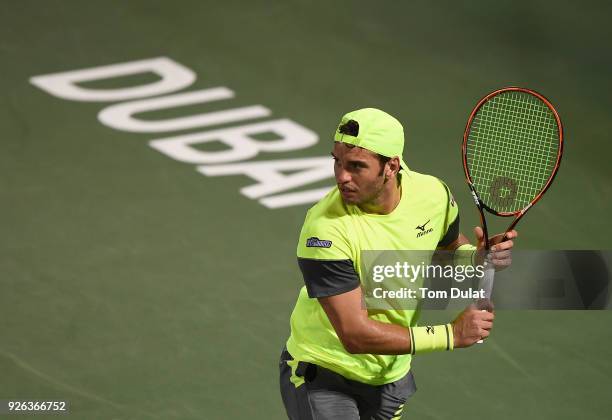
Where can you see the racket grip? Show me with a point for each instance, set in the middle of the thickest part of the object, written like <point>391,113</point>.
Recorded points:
<point>486,283</point>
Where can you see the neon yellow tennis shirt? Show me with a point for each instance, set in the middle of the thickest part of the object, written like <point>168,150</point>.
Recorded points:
<point>331,241</point>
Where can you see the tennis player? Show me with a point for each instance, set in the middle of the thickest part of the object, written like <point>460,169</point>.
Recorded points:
<point>342,361</point>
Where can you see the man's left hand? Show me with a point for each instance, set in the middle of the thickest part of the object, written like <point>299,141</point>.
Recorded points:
<point>501,247</point>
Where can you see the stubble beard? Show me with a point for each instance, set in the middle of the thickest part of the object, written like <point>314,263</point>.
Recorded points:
<point>370,200</point>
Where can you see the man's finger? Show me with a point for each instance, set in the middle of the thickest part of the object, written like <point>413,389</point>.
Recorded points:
<point>501,255</point>
<point>485,316</point>
<point>487,325</point>
<point>501,264</point>
<point>479,233</point>
<point>501,246</point>
<point>503,237</point>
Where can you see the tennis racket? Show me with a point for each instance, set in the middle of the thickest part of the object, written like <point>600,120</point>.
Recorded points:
<point>512,148</point>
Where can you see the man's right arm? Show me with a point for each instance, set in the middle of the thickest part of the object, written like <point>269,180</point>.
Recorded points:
<point>325,260</point>
<point>360,334</point>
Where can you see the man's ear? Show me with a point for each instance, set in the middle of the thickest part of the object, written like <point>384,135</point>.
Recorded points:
<point>393,167</point>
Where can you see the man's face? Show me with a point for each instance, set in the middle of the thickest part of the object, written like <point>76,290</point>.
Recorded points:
<point>358,174</point>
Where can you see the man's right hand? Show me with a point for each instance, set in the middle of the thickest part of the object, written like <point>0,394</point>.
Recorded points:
<point>471,326</point>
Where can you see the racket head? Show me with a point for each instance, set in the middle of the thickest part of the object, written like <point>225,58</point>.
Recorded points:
<point>512,148</point>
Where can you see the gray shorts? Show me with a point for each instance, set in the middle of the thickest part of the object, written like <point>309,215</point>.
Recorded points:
<point>325,394</point>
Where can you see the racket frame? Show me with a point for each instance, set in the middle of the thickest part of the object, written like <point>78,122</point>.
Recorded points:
<point>479,203</point>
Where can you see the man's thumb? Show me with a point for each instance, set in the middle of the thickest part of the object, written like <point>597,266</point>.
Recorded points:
<point>479,233</point>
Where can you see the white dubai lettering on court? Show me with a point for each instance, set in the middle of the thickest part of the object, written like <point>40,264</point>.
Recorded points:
<point>274,183</point>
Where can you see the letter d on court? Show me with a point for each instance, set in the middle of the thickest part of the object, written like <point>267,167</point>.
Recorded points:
<point>174,76</point>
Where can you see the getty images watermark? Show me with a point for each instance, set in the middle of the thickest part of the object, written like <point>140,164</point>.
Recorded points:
<point>405,272</point>
<point>407,279</point>
<point>450,280</point>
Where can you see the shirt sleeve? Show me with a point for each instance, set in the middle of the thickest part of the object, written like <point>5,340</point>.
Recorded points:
<point>325,260</point>
<point>451,223</point>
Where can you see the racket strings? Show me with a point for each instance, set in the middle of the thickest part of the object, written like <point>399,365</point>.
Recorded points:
<point>512,150</point>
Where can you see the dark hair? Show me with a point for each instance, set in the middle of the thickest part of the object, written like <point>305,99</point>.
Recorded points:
<point>351,127</point>
<point>383,159</point>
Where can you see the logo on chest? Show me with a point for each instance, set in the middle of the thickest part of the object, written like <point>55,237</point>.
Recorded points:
<point>423,229</point>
